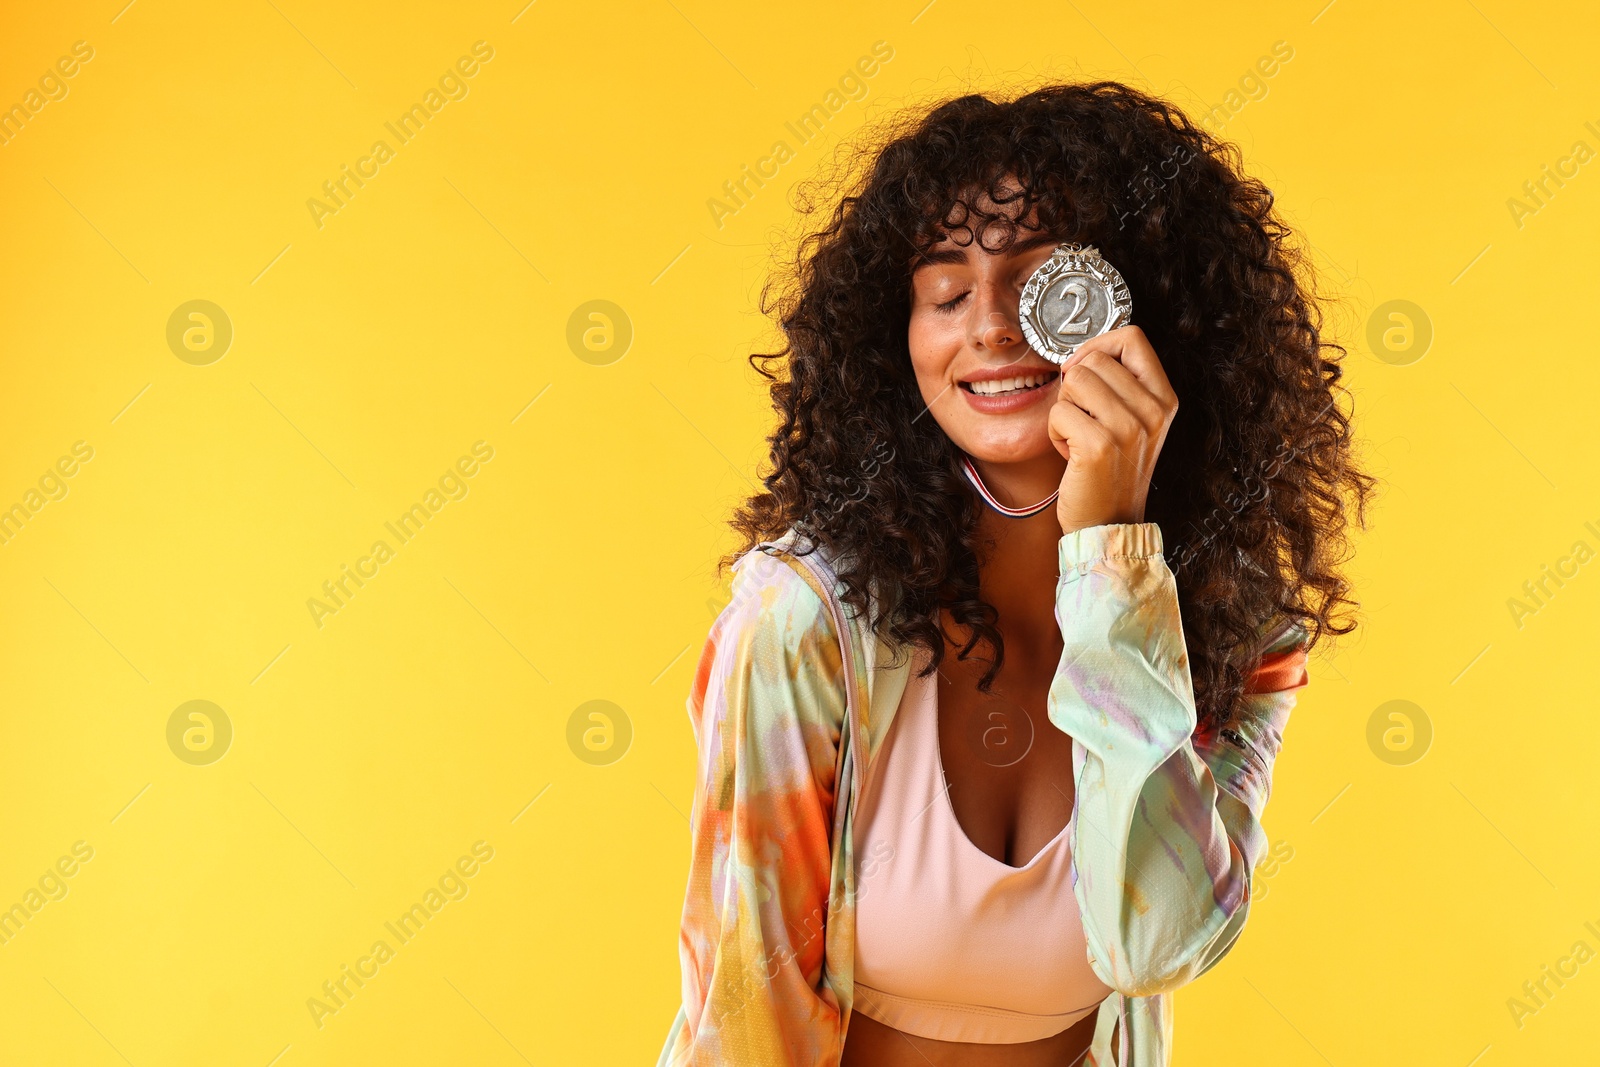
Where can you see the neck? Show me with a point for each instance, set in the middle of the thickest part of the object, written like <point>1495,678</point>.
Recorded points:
<point>1019,568</point>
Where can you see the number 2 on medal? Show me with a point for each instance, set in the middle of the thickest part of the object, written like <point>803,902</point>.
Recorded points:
<point>1074,325</point>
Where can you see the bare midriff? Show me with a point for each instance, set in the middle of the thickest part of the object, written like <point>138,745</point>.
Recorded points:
<point>869,1043</point>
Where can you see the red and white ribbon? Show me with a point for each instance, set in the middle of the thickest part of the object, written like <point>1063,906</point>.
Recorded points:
<point>983,491</point>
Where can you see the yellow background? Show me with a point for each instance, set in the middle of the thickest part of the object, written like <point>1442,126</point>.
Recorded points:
<point>368,354</point>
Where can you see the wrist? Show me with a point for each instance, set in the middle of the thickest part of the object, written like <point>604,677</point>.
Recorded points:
<point>1073,519</point>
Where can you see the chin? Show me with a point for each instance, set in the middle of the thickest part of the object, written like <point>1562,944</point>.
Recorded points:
<point>1000,440</point>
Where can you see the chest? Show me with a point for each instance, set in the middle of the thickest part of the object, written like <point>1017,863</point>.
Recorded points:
<point>1008,769</point>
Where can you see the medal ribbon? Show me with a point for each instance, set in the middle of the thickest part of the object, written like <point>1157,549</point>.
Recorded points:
<point>983,491</point>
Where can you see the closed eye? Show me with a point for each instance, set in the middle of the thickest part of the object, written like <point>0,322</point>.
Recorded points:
<point>950,305</point>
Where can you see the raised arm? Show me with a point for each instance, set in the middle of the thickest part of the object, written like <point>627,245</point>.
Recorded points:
<point>767,706</point>
<point>1166,825</point>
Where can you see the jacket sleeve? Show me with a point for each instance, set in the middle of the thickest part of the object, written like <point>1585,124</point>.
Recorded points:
<point>1166,822</point>
<point>767,705</point>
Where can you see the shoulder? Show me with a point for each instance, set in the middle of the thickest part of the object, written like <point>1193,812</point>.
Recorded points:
<point>773,585</point>
<point>772,672</point>
<point>778,607</point>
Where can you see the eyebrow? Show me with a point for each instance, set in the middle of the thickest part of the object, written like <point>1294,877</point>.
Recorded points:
<point>959,255</point>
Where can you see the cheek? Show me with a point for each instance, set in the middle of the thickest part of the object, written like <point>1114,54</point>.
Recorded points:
<point>934,341</point>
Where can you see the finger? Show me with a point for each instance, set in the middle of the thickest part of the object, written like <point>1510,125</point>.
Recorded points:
<point>1084,386</point>
<point>1076,434</point>
<point>1085,390</point>
<point>1145,405</point>
<point>1130,346</point>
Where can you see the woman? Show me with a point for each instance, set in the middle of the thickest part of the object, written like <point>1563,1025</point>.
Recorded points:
<point>987,729</point>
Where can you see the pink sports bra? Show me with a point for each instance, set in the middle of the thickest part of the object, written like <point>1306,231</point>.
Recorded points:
<point>951,943</point>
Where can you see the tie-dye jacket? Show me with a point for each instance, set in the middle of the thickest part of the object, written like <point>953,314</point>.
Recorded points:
<point>1167,818</point>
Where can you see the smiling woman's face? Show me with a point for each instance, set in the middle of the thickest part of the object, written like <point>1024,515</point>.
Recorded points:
<point>989,392</point>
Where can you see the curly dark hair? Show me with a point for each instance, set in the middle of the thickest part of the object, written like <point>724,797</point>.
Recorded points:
<point>1257,475</point>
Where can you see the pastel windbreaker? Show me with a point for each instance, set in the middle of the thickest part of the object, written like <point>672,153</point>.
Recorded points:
<point>793,695</point>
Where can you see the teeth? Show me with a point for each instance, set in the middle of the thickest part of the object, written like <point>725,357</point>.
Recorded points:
<point>1008,385</point>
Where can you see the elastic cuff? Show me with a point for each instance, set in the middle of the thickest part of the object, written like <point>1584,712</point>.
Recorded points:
<point>1080,550</point>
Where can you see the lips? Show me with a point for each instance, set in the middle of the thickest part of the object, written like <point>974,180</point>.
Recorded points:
<point>989,394</point>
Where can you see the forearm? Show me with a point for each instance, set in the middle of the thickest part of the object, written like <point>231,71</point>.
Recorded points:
<point>1161,875</point>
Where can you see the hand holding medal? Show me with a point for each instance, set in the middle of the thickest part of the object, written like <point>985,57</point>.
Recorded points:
<point>1115,404</point>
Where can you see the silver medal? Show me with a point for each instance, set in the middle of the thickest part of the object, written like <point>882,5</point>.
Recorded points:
<point>1074,296</point>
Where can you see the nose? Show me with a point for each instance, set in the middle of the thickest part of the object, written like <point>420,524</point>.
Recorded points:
<point>993,323</point>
